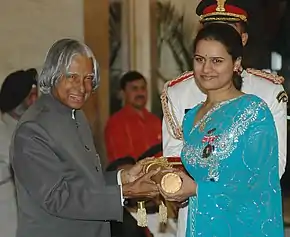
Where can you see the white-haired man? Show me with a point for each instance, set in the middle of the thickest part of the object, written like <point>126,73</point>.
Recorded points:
<point>61,189</point>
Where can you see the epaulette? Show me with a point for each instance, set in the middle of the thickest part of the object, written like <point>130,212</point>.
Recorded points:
<point>276,79</point>
<point>170,118</point>
<point>183,77</point>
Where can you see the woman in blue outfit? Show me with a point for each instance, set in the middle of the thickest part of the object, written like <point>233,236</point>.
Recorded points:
<point>230,148</point>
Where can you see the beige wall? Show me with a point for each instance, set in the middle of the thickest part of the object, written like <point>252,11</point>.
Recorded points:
<point>29,27</point>
<point>96,34</point>
<point>188,8</point>
<point>191,25</point>
<point>140,38</point>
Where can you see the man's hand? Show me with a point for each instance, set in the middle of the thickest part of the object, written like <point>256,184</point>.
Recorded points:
<point>141,187</point>
<point>187,190</point>
<point>135,172</point>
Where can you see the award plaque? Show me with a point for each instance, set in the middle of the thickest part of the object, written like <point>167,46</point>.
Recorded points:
<point>169,181</point>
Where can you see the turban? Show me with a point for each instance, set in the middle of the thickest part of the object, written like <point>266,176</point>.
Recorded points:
<point>15,88</point>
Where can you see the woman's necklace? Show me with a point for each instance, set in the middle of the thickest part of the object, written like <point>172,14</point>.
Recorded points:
<point>203,124</point>
<point>205,119</point>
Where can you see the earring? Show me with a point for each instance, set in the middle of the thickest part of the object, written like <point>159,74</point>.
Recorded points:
<point>237,70</point>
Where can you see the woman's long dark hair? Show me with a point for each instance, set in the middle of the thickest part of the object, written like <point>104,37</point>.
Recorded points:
<point>229,37</point>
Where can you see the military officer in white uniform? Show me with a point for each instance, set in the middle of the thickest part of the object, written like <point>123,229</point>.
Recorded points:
<point>182,93</point>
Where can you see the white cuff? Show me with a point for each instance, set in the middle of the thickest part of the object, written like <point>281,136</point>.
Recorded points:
<point>119,181</point>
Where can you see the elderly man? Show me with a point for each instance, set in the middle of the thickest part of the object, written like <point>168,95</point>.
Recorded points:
<point>17,93</point>
<point>61,189</point>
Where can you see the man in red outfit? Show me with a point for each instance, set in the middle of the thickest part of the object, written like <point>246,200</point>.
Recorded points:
<point>133,130</point>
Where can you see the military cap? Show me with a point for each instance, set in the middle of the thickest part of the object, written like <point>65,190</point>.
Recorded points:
<point>223,10</point>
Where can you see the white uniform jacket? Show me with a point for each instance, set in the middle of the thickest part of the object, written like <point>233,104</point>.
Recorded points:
<point>8,213</point>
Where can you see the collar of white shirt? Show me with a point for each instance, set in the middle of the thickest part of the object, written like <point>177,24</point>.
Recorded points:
<point>9,121</point>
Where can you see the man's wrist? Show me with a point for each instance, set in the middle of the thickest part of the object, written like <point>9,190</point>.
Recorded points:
<point>127,190</point>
